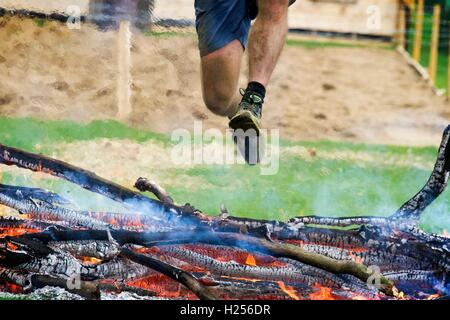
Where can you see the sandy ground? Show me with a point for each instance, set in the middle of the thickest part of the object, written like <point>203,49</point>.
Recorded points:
<point>353,94</point>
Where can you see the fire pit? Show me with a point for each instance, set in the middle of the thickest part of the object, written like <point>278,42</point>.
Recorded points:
<point>170,251</point>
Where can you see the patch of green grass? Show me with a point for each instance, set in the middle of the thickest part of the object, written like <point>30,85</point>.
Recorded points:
<point>319,186</point>
<point>28,133</point>
<point>168,34</point>
<point>306,43</point>
<point>378,183</point>
<point>39,22</point>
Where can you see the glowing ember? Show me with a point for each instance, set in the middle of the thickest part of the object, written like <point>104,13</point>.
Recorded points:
<point>12,232</point>
<point>322,293</point>
<point>90,260</point>
<point>401,296</point>
<point>163,286</point>
<point>288,290</point>
<point>238,256</point>
<point>433,296</point>
<point>356,258</point>
<point>250,261</point>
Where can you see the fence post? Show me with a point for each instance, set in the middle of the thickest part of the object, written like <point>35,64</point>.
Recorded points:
<point>418,31</point>
<point>447,28</point>
<point>434,43</point>
<point>124,79</point>
<point>401,25</point>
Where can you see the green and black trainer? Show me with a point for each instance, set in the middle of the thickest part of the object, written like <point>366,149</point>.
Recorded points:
<point>246,124</point>
<point>249,112</point>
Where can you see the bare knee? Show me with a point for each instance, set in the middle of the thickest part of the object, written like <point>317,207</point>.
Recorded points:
<point>275,10</point>
<point>218,101</point>
<point>220,75</point>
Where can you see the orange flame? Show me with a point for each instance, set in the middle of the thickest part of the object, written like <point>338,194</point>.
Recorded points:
<point>433,296</point>
<point>288,290</point>
<point>356,258</point>
<point>90,260</point>
<point>12,232</point>
<point>323,293</point>
<point>401,296</point>
<point>250,261</point>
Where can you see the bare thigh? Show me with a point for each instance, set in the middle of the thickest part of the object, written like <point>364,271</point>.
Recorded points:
<point>220,77</point>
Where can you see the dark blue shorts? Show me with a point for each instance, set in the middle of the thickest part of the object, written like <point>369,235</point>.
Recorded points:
<point>220,22</point>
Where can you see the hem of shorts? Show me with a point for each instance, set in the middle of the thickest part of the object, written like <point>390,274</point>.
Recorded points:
<point>221,45</point>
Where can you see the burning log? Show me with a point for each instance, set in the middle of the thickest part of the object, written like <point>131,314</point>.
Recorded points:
<point>172,272</point>
<point>235,240</point>
<point>304,252</point>
<point>30,281</point>
<point>90,181</point>
<point>409,213</point>
<point>102,250</point>
<point>34,208</point>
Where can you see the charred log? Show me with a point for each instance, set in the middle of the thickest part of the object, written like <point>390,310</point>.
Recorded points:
<point>435,185</point>
<point>30,281</point>
<point>172,272</point>
<point>52,212</point>
<point>310,251</point>
<point>90,181</point>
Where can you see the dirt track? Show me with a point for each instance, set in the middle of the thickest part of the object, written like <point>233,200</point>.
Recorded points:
<point>352,94</point>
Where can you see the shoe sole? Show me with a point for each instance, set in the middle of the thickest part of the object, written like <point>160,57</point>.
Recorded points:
<point>244,122</point>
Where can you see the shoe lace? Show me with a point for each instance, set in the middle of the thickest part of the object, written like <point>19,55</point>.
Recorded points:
<point>251,102</point>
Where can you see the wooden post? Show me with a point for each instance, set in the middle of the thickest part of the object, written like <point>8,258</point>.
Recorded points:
<point>418,31</point>
<point>448,67</point>
<point>401,25</point>
<point>434,50</point>
<point>124,79</point>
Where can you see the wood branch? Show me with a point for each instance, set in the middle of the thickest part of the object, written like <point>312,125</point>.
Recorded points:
<point>385,252</point>
<point>90,181</point>
<point>30,282</point>
<point>435,185</point>
<point>338,222</point>
<point>103,250</point>
<point>273,248</point>
<point>85,289</point>
<point>291,272</point>
<point>43,210</point>
<point>33,193</point>
<point>391,242</point>
<point>11,222</point>
<point>143,184</point>
<point>53,262</point>
<point>172,272</point>
<point>277,249</point>
<point>265,229</point>
<point>409,211</point>
<point>37,257</point>
<point>74,218</point>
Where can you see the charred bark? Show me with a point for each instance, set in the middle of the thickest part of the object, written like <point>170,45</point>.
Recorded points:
<point>143,184</point>
<point>435,185</point>
<point>316,251</point>
<point>30,282</point>
<point>90,181</point>
<point>172,272</point>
